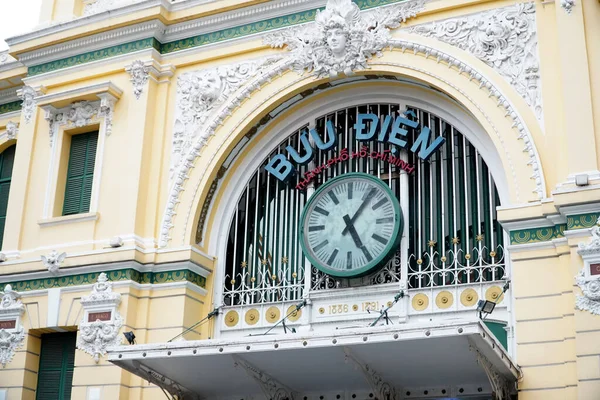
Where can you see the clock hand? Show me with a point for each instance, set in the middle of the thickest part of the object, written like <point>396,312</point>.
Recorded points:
<point>356,238</point>
<point>366,200</point>
<point>353,233</point>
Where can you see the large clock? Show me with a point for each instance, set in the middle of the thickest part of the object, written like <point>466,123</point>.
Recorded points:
<point>351,225</point>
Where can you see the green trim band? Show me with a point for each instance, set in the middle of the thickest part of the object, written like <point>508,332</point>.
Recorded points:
<point>90,56</point>
<point>536,235</point>
<point>10,107</point>
<point>195,41</point>
<point>114,276</point>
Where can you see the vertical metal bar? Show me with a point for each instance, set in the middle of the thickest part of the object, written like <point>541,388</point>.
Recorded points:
<point>477,177</point>
<point>466,204</point>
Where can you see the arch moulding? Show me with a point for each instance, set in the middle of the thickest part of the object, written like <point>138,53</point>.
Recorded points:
<point>499,111</point>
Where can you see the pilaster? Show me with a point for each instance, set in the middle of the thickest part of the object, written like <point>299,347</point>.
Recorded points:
<point>576,95</point>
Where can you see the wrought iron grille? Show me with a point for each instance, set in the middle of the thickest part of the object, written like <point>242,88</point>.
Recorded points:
<point>453,235</point>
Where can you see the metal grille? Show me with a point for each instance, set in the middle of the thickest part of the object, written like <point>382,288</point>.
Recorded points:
<point>453,235</point>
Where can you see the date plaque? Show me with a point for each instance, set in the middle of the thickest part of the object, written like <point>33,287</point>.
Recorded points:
<point>595,269</point>
<point>102,316</point>
<point>8,324</point>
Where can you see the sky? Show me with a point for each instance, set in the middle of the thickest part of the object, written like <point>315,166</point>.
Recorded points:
<point>16,17</point>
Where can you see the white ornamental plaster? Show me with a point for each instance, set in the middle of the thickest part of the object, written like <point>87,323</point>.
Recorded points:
<point>12,128</point>
<point>97,6</point>
<point>10,339</point>
<point>567,5</point>
<point>96,336</point>
<point>588,283</point>
<point>28,95</point>
<point>505,39</point>
<point>139,73</point>
<point>53,261</point>
<point>191,152</point>
<point>81,113</point>
<point>342,39</point>
<point>199,94</point>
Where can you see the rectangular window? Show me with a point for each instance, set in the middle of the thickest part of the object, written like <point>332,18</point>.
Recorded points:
<point>80,173</point>
<point>6,166</point>
<point>57,362</point>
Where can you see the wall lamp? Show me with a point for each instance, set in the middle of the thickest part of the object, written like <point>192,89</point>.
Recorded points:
<point>485,307</point>
<point>130,337</point>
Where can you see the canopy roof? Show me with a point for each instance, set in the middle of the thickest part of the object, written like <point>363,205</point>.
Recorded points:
<point>458,359</point>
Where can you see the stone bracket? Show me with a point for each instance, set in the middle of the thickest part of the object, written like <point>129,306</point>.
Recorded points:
<point>383,390</point>
<point>273,389</point>
<point>500,385</point>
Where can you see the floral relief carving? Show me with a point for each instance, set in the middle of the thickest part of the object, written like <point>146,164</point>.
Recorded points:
<point>139,74</point>
<point>342,39</point>
<point>567,5</point>
<point>214,118</point>
<point>505,39</point>
<point>28,94</point>
<point>96,336</point>
<point>10,339</point>
<point>12,128</point>
<point>588,283</point>
<point>199,94</point>
<point>53,261</point>
<point>81,113</point>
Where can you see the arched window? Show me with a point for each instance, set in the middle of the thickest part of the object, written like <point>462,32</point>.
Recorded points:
<point>7,158</point>
<point>451,233</point>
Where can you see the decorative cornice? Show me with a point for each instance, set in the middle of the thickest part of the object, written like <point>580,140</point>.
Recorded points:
<point>89,44</point>
<point>69,278</point>
<point>91,56</point>
<point>154,34</point>
<point>505,39</point>
<point>551,232</point>
<point>10,107</point>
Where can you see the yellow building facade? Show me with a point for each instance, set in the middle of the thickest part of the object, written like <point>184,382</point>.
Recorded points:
<point>147,175</point>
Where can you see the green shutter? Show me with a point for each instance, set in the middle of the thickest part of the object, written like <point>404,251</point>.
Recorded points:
<point>7,159</point>
<point>57,362</point>
<point>80,174</point>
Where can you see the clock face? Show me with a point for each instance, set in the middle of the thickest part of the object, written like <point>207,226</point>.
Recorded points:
<point>351,225</point>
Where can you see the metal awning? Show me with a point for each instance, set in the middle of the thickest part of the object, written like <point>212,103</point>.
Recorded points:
<point>449,360</point>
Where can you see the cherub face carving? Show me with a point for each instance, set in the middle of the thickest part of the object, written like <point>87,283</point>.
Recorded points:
<point>336,40</point>
<point>210,86</point>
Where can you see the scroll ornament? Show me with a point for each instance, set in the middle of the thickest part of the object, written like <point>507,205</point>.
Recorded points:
<point>96,336</point>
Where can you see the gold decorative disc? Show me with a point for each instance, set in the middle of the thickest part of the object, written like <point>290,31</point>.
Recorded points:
<point>295,316</point>
<point>321,310</point>
<point>252,316</point>
<point>273,314</point>
<point>469,297</point>
<point>494,294</point>
<point>420,302</point>
<point>232,318</point>
<point>444,299</point>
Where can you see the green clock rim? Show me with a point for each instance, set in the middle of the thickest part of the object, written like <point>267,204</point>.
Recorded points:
<point>385,254</point>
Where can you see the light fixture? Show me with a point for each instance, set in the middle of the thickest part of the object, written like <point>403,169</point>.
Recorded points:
<point>485,307</point>
<point>130,337</point>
